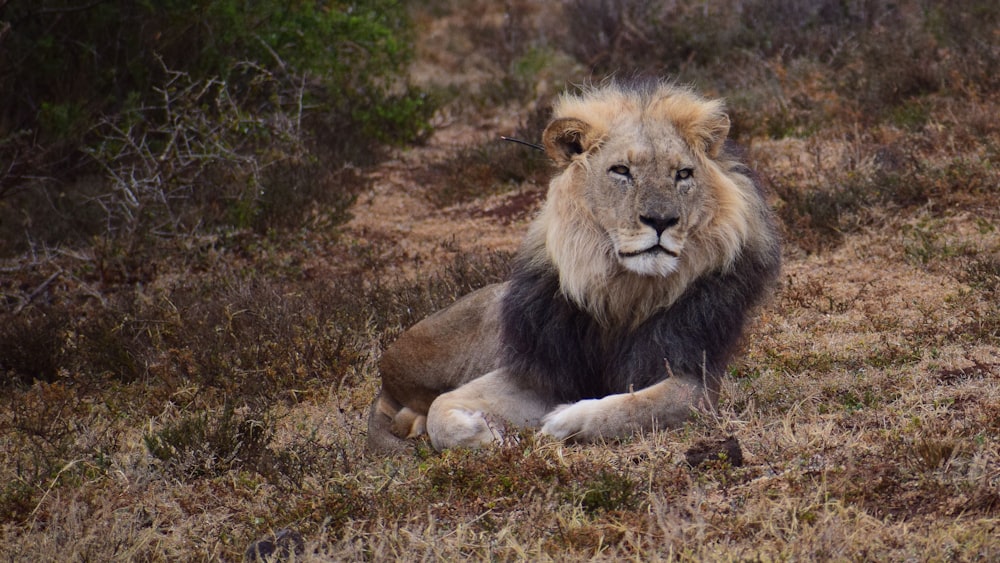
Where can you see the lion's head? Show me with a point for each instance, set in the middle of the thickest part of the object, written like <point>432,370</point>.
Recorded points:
<point>647,201</point>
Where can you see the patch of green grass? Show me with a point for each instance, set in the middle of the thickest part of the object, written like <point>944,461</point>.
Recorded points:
<point>492,478</point>
<point>211,444</point>
<point>927,241</point>
<point>983,273</point>
<point>608,491</point>
<point>912,114</point>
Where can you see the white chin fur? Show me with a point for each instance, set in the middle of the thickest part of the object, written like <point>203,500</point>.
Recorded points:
<point>659,264</point>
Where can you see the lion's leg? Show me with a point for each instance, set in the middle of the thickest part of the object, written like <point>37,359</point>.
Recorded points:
<point>438,354</point>
<point>667,404</point>
<point>474,414</point>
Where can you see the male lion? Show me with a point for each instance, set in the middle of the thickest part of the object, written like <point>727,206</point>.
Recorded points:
<point>626,300</point>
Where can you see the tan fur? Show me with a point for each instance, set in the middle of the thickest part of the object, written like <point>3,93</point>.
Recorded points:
<point>590,230</point>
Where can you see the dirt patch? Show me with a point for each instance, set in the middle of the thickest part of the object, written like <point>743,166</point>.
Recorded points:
<point>413,234</point>
<point>512,209</point>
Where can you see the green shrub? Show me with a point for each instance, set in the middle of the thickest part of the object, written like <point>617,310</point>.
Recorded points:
<point>72,63</point>
<point>140,113</point>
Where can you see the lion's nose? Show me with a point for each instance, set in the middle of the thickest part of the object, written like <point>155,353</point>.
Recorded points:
<point>660,223</point>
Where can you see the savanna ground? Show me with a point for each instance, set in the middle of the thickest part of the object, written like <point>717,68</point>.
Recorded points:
<point>177,397</point>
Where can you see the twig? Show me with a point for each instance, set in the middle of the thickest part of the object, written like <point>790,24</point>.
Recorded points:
<point>37,291</point>
<point>274,54</point>
<point>388,481</point>
<point>69,10</point>
<point>53,484</point>
<point>89,290</point>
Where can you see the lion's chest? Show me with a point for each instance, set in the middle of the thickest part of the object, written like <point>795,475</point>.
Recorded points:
<point>553,345</point>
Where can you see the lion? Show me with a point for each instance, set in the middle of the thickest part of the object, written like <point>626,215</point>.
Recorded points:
<point>628,296</point>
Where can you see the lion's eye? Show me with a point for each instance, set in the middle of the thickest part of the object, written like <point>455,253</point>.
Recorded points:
<point>620,169</point>
<point>683,174</point>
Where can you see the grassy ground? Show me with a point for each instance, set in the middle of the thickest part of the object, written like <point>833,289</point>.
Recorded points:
<point>178,400</point>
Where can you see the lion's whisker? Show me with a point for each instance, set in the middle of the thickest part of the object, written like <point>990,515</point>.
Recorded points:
<point>525,143</point>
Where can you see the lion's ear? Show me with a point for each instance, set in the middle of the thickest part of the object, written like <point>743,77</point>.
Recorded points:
<point>566,138</point>
<point>719,130</point>
<point>709,133</point>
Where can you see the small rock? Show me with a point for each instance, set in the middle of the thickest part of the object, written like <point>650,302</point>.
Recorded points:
<point>278,547</point>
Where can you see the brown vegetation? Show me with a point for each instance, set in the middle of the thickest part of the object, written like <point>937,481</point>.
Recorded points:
<point>177,397</point>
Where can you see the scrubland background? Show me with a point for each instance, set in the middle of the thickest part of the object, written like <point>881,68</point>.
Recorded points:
<point>214,216</point>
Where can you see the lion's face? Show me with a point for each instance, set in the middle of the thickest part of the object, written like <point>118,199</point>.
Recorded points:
<point>643,192</point>
<point>638,164</point>
<point>645,202</point>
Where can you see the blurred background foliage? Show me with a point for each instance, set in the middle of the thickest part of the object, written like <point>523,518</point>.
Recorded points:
<point>131,121</point>
<point>123,117</point>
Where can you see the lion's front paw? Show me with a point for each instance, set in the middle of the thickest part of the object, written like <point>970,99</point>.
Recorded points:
<point>572,421</point>
<point>458,427</point>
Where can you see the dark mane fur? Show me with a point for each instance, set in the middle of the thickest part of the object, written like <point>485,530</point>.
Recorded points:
<point>552,345</point>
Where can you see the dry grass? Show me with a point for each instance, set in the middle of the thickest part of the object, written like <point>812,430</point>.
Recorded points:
<point>179,401</point>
